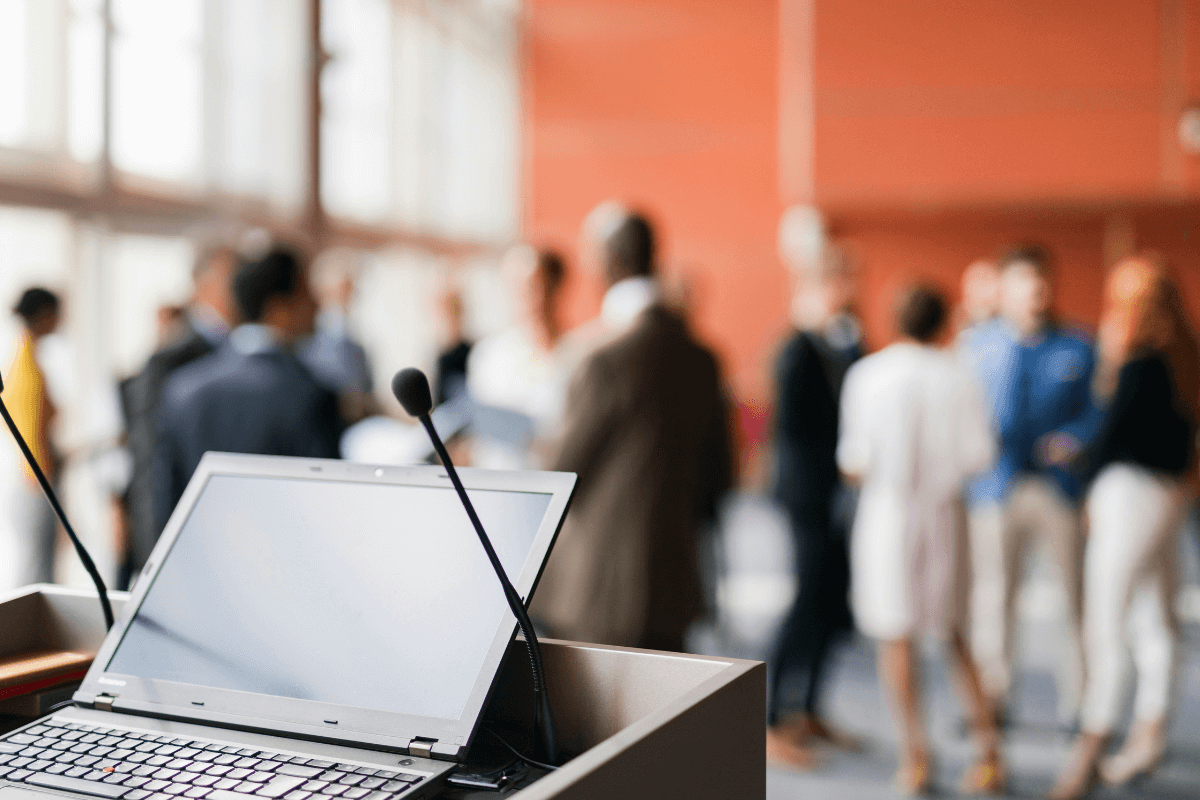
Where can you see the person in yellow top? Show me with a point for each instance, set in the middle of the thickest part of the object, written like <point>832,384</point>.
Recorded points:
<point>29,403</point>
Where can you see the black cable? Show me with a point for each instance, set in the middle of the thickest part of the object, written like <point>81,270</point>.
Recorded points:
<point>58,705</point>
<point>524,758</point>
<point>80,550</point>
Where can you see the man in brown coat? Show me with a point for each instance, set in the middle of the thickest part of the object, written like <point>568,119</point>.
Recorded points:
<point>647,431</point>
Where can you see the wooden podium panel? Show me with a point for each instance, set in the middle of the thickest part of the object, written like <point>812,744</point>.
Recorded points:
<point>643,724</point>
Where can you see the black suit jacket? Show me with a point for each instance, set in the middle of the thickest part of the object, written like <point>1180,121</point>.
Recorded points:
<point>140,398</point>
<point>265,403</point>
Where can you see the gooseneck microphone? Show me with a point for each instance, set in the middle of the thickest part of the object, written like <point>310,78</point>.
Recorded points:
<point>84,556</point>
<point>411,388</point>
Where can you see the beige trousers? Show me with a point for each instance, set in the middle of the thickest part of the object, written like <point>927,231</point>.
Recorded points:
<point>1134,520</point>
<point>1000,536</point>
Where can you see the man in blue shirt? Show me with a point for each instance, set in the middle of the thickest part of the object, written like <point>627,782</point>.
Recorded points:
<point>1037,376</point>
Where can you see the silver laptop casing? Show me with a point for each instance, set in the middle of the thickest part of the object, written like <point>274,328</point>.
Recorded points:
<point>414,736</point>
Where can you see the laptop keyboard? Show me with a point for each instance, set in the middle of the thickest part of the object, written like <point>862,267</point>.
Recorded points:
<point>112,763</point>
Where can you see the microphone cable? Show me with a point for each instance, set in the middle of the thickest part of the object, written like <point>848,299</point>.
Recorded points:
<point>80,550</point>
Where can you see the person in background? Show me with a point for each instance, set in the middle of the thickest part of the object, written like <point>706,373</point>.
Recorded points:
<point>808,382</point>
<point>646,432</point>
<point>252,395</point>
<point>450,376</point>
<point>912,456</point>
<point>198,331</point>
<point>332,355</point>
<point>29,403</point>
<point>523,368</point>
<point>1036,375</point>
<point>1143,463</point>
<point>980,297</point>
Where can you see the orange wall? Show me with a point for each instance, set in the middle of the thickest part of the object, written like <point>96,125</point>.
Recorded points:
<point>942,131</point>
<point>670,105</point>
<point>930,132</point>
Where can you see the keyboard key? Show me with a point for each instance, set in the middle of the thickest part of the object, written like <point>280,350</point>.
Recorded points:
<point>11,747</point>
<point>218,769</point>
<point>22,761</point>
<point>356,793</point>
<point>351,779</point>
<point>121,754</point>
<point>196,792</point>
<point>40,764</point>
<point>366,770</point>
<point>137,794</point>
<point>225,783</point>
<point>146,747</point>
<point>82,747</point>
<point>207,756</point>
<point>187,752</point>
<point>167,750</point>
<point>377,796</point>
<point>226,759</point>
<point>176,789</point>
<point>77,772</point>
<point>224,794</point>
<point>299,794</point>
<point>73,736</point>
<point>196,766</point>
<point>318,763</point>
<point>19,774</point>
<point>158,761</point>
<point>78,785</point>
<point>87,761</point>
<point>100,751</point>
<point>5,758</point>
<point>164,774</point>
<point>58,769</point>
<point>126,767</point>
<point>281,785</point>
<point>137,781</point>
<point>115,777</point>
<point>22,738</point>
<point>240,774</point>
<point>314,786</point>
<point>177,763</point>
<point>334,789</point>
<point>246,787</point>
<point>282,757</point>
<point>31,751</point>
<point>247,752</point>
<point>139,758</point>
<point>205,780</point>
<point>298,770</point>
<point>372,783</point>
<point>395,786</point>
<point>259,776</point>
<point>92,738</point>
<point>156,786</point>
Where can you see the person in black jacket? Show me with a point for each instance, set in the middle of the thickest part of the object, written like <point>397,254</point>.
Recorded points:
<point>808,380</point>
<point>205,324</point>
<point>252,395</point>
<point>1139,466</point>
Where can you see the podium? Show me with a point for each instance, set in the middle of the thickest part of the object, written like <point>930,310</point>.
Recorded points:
<point>644,724</point>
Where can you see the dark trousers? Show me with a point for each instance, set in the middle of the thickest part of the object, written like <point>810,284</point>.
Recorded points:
<point>820,614</point>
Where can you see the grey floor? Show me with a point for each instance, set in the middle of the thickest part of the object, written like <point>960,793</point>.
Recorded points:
<point>755,586</point>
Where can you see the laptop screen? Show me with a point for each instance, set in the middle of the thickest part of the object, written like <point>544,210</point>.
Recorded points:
<point>371,595</point>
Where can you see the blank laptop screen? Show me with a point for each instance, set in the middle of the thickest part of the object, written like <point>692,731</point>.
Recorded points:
<point>360,594</point>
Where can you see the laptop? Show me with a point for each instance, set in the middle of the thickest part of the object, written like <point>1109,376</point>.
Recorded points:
<point>305,629</point>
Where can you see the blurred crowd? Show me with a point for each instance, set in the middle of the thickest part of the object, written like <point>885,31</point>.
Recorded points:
<point>914,478</point>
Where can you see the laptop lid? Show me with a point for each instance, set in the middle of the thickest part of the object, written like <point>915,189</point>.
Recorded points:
<point>329,600</point>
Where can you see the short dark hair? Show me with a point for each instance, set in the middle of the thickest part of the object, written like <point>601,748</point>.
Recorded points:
<point>1027,253</point>
<point>34,302</point>
<point>629,250</point>
<point>276,274</point>
<point>552,269</point>
<point>921,313</point>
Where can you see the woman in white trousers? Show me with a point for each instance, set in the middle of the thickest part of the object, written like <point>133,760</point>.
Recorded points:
<point>1141,463</point>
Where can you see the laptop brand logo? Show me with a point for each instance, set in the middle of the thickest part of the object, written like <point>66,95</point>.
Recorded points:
<point>110,682</point>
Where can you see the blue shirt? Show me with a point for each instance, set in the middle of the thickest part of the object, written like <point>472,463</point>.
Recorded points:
<point>1035,386</point>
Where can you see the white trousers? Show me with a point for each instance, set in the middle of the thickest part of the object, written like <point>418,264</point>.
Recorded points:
<point>1134,518</point>
<point>1000,535</point>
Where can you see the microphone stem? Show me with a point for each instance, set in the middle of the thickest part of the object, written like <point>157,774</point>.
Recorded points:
<point>82,552</point>
<point>544,718</point>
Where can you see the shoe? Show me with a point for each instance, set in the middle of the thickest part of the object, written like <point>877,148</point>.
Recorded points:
<point>784,751</point>
<point>916,777</point>
<point>1081,772</point>
<point>987,776</point>
<point>804,728</point>
<point>1143,751</point>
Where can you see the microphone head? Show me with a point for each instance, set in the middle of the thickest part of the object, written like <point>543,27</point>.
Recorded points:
<point>411,388</point>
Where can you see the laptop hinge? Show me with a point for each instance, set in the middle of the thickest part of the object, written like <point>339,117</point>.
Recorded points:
<point>421,747</point>
<point>104,701</point>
